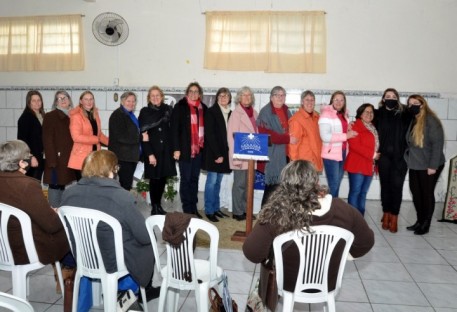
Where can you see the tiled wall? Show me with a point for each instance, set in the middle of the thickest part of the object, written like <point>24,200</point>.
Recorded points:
<point>12,102</point>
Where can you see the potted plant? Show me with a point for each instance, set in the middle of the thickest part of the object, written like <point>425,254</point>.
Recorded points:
<point>170,191</point>
<point>142,187</point>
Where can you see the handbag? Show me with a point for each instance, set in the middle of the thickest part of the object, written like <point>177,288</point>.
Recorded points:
<point>268,289</point>
<point>216,304</point>
<point>254,303</point>
<point>127,301</point>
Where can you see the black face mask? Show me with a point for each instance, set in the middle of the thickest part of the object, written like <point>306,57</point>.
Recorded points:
<point>391,104</point>
<point>414,109</point>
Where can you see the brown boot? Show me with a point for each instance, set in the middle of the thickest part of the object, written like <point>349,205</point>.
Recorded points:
<point>393,223</point>
<point>386,220</point>
<point>68,273</point>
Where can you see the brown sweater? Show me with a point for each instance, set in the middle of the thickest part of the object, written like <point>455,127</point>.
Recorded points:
<point>25,193</point>
<point>257,245</point>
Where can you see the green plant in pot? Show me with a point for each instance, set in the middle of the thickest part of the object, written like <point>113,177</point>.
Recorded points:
<point>170,191</point>
<point>142,186</point>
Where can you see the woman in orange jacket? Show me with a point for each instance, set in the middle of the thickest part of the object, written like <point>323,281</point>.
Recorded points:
<point>363,152</point>
<point>304,126</point>
<point>85,129</point>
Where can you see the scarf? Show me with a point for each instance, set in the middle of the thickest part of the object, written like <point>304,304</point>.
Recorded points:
<point>197,132</point>
<point>250,112</point>
<point>225,113</point>
<point>372,129</point>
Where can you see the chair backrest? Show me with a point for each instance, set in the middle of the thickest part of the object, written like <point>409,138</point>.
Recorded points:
<point>14,303</point>
<point>180,259</point>
<point>6,255</point>
<point>81,226</point>
<point>315,249</point>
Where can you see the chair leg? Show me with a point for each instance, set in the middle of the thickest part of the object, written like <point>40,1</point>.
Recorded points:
<point>162,297</point>
<point>288,301</point>
<point>60,276</point>
<point>109,286</point>
<point>20,289</point>
<point>76,291</point>
<point>143,297</point>
<point>331,303</point>
<point>201,295</point>
<point>173,299</point>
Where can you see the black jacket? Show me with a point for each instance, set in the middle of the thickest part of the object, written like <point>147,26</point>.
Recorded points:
<point>124,136</point>
<point>156,121</point>
<point>216,140</point>
<point>180,128</point>
<point>29,130</point>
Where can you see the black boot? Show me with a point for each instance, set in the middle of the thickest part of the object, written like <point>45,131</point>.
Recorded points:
<point>160,210</point>
<point>154,210</point>
<point>414,227</point>
<point>423,228</point>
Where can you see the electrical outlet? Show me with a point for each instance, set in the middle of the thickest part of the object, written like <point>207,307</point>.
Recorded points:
<point>116,82</point>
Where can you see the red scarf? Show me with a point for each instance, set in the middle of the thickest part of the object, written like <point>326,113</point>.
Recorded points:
<point>196,127</point>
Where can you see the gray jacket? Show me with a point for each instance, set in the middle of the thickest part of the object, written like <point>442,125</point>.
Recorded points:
<point>106,195</point>
<point>431,155</point>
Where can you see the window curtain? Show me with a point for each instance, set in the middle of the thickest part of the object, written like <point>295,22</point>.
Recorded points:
<point>276,42</point>
<point>41,43</point>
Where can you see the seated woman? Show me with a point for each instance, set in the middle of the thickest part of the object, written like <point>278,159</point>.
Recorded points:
<point>298,203</point>
<point>98,190</point>
<point>25,193</point>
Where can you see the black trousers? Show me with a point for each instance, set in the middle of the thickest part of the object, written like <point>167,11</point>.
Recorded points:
<point>126,171</point>
<point>156,189</point>
<point>189,173</point>
<point>392,176</point>
<point>422,188</point>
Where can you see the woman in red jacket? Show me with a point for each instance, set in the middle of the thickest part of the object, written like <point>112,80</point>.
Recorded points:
<point>363,151</point>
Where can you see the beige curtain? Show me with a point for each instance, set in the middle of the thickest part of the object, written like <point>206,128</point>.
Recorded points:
<point>41,43</point>
<point>276,42</point>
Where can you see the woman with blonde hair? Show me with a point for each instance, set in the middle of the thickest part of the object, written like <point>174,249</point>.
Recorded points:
<point>86,132</point>
<point>425,159</point>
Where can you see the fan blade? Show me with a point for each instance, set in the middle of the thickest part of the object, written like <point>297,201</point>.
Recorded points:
<point>115,37</point>
<point>115,22</point>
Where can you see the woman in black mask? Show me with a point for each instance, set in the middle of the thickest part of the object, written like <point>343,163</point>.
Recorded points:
<point>425,159</point>
<point>392,122</point>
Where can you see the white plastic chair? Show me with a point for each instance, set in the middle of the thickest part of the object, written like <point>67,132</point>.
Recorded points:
<point>19,273</point>
<point>82,223</point>
<point>183,271</point>
<point>14,304</point>
<point>315,251</point>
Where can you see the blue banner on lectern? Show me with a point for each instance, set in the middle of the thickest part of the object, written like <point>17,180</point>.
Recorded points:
<point>250,146</point>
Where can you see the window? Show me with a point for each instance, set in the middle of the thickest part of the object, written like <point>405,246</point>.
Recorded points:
<point>41,43</point>
<point>292,42</point>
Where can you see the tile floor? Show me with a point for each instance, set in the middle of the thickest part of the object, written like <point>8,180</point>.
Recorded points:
<point>402,273</point>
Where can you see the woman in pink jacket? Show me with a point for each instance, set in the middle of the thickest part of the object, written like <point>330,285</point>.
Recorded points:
<point>242,119</point>
<point>334,131</point>
<point>85,129</point>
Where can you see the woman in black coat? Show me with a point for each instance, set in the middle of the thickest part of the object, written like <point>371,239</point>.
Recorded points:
<point>157,150</point>
<point>124,138</point>
<point>29,130</point>
<point>216,157</point>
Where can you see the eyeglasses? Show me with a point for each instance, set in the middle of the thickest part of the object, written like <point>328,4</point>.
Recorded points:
<point>194,91</point>
<point>279,95</point>
<point>223,96</point>
<point>62,98</point>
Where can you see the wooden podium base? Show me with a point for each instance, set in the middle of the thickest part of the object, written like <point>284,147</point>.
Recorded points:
<point>239,236</point>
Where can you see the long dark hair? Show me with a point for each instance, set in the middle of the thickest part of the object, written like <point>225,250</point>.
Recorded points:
<point>28,101</point>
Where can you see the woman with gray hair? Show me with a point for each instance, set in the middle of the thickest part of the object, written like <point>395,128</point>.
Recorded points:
<point>124,134</point>
<point>57,144</point>
<point>25,193</point>
<point>242,119</point>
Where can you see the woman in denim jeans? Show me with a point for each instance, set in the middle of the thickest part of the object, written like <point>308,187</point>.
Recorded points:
<point>334,131</point>
<point>363,151</point>
<point>216,161</point>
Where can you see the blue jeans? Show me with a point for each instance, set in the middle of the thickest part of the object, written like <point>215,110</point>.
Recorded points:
<point>334,172</point>
<point>358,188</point>
<point>212,189</point>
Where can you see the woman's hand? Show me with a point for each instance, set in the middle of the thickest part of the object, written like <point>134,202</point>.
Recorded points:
<point>176,155</point>
<point>431,171</point>
<point>219,160</point>
<point>145,136</point>
<point>34,162</point>
<point>152,160</point>
<point>351,134</point>
<point>376,156</point>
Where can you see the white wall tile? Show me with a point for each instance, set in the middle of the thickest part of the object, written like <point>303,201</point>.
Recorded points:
<point>452,109</point>
<point>14,99</point>
<point>2,99</point>
<point>11,133</point>
<point>450,129</point>
<point>3,134</point>
<point>439,106</point>
<point>48,99</point>
<point>100,99</point>
<point>450,149</point>
<point>7,118</point>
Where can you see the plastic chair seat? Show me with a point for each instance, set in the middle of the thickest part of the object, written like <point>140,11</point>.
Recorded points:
<point>19,273</point>
<point>81,225</point>
<point>14,304</point>
<point>315,250</point>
